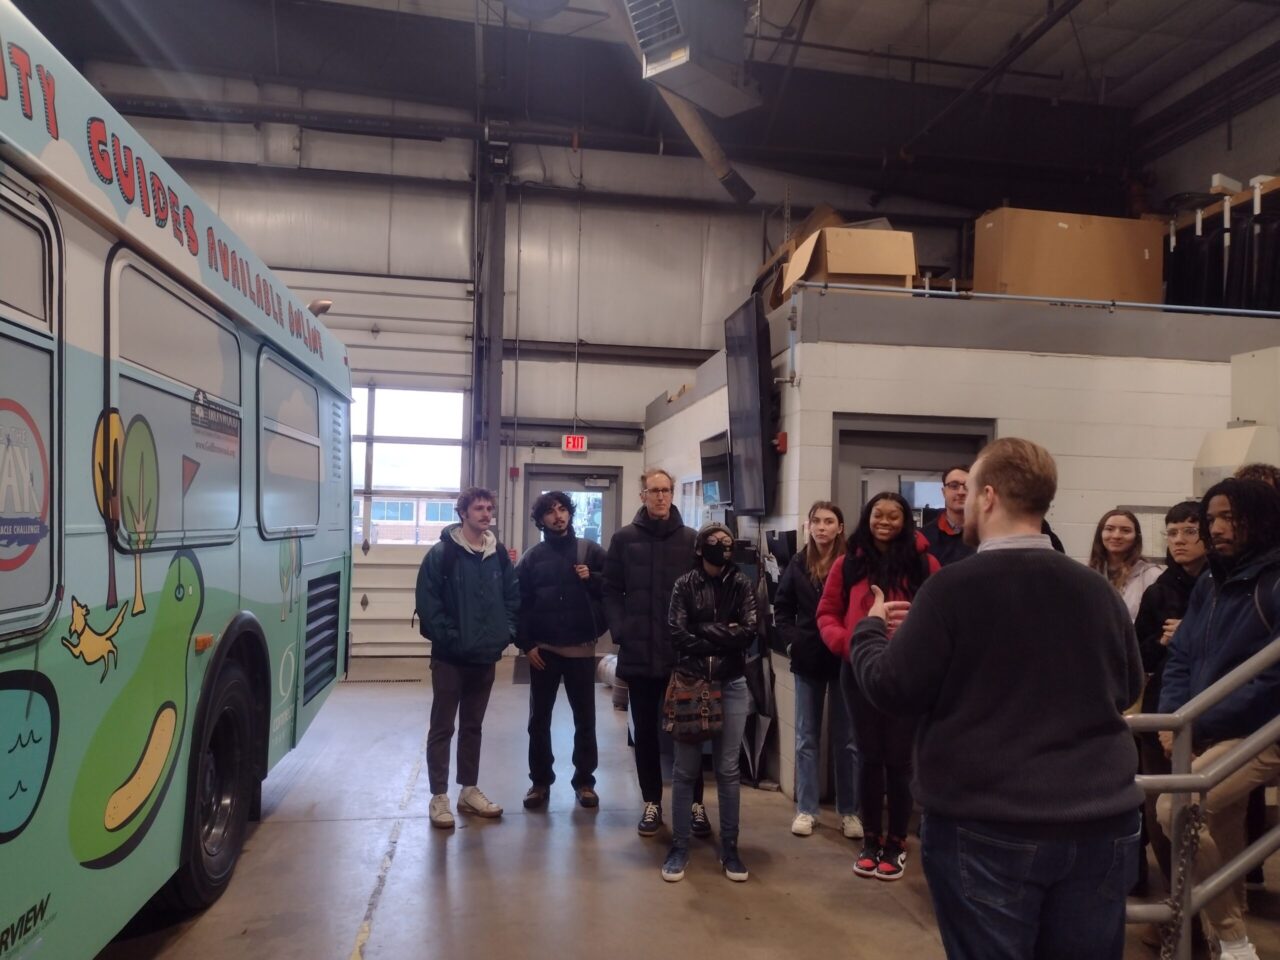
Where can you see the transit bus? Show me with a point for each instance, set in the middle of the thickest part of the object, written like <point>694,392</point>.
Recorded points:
<point>175,520</point>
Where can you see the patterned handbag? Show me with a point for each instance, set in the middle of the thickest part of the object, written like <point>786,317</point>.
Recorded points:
<point>692,710</point>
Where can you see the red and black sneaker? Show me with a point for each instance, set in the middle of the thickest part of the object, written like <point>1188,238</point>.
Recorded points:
<point>893,860</point>
<point>868,862</point>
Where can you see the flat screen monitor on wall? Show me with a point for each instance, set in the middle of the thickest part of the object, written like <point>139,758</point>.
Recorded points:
<point>717,489</point>
<point>753,457</point>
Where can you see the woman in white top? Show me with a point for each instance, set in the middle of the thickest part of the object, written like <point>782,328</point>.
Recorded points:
<point>1117,555</point>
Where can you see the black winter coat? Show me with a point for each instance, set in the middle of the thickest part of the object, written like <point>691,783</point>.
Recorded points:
<point>645,558</point>
<point>557,607</point>
<point>713,623</point>
<point>1166,599</point>
<point>795,611</point>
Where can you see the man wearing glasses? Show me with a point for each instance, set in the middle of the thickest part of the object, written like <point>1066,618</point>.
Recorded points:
<point>945,532</point>
<point>1163,605</point>
<point>645,559</point>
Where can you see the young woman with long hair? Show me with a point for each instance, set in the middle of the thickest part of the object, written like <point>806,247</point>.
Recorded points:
<point>885,550</point>
<point>817,674</point>
<point>1117,555</point>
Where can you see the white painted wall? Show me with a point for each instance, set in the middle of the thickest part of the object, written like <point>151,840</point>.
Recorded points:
<point>673,443</point>
<point>1123,430</point>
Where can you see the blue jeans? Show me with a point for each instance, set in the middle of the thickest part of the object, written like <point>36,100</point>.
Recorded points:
<point>999,896</point>
<point>810,695</point>
<point>725,748</point>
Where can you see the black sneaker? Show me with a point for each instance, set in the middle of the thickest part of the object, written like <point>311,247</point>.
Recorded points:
<point>677,860</point>
<point>700,825</point>
<point>536,798</point>
<point>650,820</point>
<point>893,860</point>
<point>734,868</point>
<point>869,858</point>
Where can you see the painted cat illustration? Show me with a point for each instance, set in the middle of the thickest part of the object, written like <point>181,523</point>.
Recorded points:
<point>92,646</point>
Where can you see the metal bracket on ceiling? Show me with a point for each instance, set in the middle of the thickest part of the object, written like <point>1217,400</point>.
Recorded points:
<point>497,142</point>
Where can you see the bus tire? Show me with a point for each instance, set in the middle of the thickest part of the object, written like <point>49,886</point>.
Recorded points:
<point>220,794</point>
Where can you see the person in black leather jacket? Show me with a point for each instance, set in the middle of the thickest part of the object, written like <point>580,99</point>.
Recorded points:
<point>712,623</point>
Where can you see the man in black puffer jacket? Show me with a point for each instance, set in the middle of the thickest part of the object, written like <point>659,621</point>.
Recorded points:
<point>561,584</point>
<point>645,558</point>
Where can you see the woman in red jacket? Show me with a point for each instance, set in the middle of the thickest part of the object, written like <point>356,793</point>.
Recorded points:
<point>885,550</point>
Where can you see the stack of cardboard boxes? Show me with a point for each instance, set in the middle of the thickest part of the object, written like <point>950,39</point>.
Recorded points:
<point>825,249</point>
<point>1021,252</point>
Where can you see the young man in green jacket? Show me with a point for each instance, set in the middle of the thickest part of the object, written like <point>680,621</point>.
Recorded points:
<point>469,602</point>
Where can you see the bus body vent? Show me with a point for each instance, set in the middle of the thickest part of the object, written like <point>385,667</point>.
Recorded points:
<point>320,655</point>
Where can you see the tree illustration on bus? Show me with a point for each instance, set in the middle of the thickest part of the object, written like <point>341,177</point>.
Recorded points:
<point>140,496</point>
<point>108,439</point>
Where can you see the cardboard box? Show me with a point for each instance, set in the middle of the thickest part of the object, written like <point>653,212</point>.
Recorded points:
<point>884,258</point>
<point>820,216</point>
<point>1039,253</point>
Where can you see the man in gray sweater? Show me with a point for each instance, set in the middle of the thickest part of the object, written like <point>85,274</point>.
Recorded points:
<point>1020,663</point>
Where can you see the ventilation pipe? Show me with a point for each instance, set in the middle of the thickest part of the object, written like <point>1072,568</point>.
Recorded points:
<point>695,127</point>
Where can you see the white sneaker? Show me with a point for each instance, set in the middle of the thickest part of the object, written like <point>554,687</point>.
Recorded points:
<point>472,801</point>
<point>802,825</point>
<point>1237,950</point>
<point>440,814</point>
<point>851,826</point>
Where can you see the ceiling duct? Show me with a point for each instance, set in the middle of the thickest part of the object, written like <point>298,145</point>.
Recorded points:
<point>695,49</point>
<point>536,10</point>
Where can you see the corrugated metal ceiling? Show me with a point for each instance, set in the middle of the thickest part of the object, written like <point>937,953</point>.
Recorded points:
<point>1119,52</point>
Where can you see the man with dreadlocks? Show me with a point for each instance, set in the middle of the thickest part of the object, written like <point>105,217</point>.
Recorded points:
<point>1233,614</point>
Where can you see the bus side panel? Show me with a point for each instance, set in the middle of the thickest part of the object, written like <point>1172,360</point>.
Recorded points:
<point>123,676</point>
<point>298,587</point>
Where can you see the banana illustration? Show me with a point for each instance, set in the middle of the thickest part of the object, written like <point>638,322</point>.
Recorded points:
<point>130,795</point>
<point>132,758</point>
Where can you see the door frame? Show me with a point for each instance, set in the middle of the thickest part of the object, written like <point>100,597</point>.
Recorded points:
<point>580,472</point>
<point>849,494</point>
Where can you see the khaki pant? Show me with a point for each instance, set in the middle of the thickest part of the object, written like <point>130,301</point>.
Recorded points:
<point>1223,834</point>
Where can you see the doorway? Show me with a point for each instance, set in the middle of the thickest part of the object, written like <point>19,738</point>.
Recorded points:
<point>593,490</point>
<point>905,455</point>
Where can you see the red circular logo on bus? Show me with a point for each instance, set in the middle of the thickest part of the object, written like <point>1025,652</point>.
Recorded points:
<point>24,486</point>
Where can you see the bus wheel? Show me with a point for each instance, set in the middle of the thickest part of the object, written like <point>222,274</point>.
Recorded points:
<point>220,794</point>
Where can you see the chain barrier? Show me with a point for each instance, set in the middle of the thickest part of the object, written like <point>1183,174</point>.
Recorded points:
<point>1171,932</point>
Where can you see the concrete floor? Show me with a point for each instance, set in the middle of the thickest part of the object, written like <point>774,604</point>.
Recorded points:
<point>345,865</point>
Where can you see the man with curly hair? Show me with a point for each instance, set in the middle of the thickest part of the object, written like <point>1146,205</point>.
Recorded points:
<point>561,616</point>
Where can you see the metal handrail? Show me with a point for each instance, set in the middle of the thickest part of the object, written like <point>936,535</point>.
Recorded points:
<point>943,294</point>
<point>1181,782</point>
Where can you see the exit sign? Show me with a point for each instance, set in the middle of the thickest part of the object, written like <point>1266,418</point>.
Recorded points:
<point>574,443</point>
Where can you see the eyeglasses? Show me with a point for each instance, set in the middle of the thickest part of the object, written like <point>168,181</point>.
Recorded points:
<point>955,485</point>
<point>1190,535</point>
<point>658,491</point>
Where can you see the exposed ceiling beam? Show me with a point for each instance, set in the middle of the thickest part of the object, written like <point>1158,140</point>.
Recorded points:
<point>605,353</point>
<point>901,57</point>
<point>1020,45</point>
<point>409,128</point>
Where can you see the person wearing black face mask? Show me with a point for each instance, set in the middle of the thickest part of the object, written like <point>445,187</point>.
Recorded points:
<point>712,624</point>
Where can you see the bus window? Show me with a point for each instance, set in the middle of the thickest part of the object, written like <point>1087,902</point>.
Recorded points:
<point>166,335</point>
<point>26,415</point>
<point>289,461</point>
<point>179,397</point>
<point>23,270</point>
